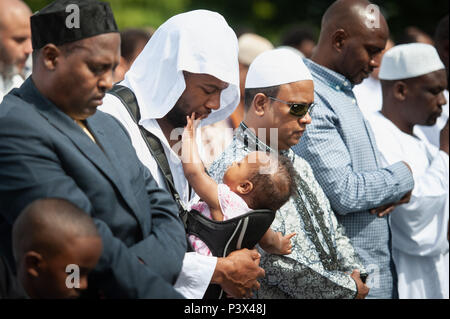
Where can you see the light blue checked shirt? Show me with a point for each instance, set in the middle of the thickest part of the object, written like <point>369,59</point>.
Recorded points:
<point>322,256</point>
<point>341,149</point>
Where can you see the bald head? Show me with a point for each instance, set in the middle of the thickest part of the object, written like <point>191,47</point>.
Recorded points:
<point>15,36</point>
<point>353,33</point>
<point>12,9</point>
<point>47,225</point>
<point>354,16</point>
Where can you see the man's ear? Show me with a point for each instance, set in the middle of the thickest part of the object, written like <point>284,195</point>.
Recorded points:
<point>33,262</point>
<point>51,55</point>
<point>260,103</point>
<point>245,187</point>
<point>400,90</point>
<point>338,39</point>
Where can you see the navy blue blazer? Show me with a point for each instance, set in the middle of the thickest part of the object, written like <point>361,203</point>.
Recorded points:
<point>44,153</point>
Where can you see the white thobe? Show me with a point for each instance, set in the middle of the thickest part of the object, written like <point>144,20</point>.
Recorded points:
<point>369,96</point>
<point>419,228</point>
<point>197,270</point>
<point>7,85</point>
<point>432,133</point>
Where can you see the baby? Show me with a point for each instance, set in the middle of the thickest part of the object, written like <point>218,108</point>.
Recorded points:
<point>259,181</point>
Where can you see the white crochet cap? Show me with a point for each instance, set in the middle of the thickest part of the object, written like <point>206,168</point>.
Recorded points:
<point>409,61</point>
<point>276,67</point>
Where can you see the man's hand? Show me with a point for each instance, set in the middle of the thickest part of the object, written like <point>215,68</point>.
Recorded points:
<point>405,199</point>
<point>388,208</point>
<point>237,274</point>
<point>383,210</point>
<point>363,290</point>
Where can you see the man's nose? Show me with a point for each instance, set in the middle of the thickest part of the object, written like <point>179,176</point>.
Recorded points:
<point>214,101</point>
<point>375,61</point>
<point>441,99</point>
<point>106,81</point>
<point>305,119</point>
<point>27,48</point>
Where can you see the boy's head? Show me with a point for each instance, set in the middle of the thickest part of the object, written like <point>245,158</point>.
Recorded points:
<point>264,181</point>
<point>48,236</point>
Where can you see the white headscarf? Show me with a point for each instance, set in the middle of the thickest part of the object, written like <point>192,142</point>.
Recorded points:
<point>198,41</point>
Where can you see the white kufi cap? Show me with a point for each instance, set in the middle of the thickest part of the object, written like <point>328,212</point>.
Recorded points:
<point>276,67</point>
<point>409,61</point>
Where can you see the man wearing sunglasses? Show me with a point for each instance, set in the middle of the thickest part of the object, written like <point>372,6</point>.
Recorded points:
<point>279,95</point>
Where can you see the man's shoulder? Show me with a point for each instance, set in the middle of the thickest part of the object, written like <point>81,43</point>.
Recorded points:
<point>15,111</point>
<point>12,101</point>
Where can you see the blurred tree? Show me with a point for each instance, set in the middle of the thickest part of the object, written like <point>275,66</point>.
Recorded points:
<point>270,17</point>
<point>135,13</point>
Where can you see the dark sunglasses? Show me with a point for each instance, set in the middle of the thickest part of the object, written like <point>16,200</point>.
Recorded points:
<point>297,109</point>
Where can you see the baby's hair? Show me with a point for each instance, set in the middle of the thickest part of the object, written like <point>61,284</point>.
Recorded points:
<point>271,191</point>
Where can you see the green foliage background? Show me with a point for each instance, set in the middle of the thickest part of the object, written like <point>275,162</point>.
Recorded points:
<point>269,17</point>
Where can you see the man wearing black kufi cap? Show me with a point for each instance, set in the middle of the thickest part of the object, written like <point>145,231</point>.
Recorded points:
<point>53,143</point>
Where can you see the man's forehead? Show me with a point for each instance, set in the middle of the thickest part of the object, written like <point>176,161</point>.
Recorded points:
<point>435,78</point>
<point>300,91</point>
<point>206,79</point>
<point>98,43</point>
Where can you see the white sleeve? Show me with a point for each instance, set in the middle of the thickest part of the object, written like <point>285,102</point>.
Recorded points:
<point>421,224</point>
<point>195,275</point>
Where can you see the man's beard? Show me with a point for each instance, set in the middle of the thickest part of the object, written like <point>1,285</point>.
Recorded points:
<point>176,117</point>
<point>7,70</point>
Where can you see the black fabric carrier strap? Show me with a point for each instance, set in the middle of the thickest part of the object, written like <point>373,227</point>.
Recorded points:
<point>224,237</point>
<point>153,143</point>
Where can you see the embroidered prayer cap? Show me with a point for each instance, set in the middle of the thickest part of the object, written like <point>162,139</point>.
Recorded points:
<point>198,41</point>
<point>64,21</point>
<point>409,61</point>
<point>276,67</point>
<point>250,46</point>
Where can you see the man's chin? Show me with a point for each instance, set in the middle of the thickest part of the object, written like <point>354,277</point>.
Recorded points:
<point>359,80</point>
<point>8,71</point>
<point>432,121</point>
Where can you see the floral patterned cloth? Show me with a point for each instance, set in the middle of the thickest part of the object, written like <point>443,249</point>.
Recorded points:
<point>322,257</point>
<point>231,204</point>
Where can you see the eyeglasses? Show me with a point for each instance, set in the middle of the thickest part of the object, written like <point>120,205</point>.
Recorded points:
<point>297,109</point>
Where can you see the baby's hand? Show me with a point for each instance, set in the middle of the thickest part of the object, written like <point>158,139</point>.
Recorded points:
<point>189,130</point>
<point>191,126</point>
<point>285,246</point>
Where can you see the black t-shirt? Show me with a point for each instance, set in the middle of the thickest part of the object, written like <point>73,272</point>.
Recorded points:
<point>9,286</point>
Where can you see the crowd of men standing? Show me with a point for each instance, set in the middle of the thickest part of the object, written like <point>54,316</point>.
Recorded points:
<point>371,208</point>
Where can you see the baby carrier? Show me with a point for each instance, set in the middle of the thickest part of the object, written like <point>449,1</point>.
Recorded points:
<point>222,237</point>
